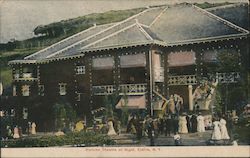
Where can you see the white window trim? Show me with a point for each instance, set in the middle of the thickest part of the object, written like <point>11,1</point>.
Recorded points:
<point>62,88</point>
<point>81,69</point>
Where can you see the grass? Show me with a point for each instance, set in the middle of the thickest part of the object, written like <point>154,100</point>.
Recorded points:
<point>207,5</point>
<point>5,57</point>
<point>6,76</point>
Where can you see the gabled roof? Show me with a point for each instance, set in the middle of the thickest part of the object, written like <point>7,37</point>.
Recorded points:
<point>165,25</point>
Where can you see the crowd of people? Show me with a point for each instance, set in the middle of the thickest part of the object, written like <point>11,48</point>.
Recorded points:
<point>172,125</point>
<point>169,124</point>
<point>9,132</point>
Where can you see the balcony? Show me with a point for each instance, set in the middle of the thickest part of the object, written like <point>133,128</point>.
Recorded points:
<point>128,89</point>
<point>25,77</point>
<point>182,80</point>
<point>133,89</point>
<point>103,90</point>
<point>231,77</point>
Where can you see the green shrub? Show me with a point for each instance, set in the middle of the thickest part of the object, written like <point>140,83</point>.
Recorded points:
<point>87,138</point>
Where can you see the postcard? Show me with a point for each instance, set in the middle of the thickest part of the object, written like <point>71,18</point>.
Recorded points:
<point>116,78</point>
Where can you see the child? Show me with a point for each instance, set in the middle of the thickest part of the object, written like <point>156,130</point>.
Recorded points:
<point>177,139</point>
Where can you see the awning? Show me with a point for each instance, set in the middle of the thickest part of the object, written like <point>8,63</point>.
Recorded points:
<point>135,60</point>
<point>133,102</point>
<point>103,63</point>
<point>181,59</point>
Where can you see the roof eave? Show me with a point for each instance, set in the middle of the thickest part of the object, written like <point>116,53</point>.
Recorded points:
<point>113,47</point>
<point>13,62</point>
<point>208,40</point>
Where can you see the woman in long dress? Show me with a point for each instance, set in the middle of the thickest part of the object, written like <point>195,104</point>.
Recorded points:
<point>111,128</point>
<point>200,125</point>
<point>223,129</point>
<point>33,128</point>
<point>183,125</point>
<point>16,133</point>
<point>216,135</point>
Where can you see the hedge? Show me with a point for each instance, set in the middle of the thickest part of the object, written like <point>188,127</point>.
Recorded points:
<point>72,139</point>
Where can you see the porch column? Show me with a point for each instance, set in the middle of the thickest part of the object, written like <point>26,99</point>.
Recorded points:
<point>190,94</point>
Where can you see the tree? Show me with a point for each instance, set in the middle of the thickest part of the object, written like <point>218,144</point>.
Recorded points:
<point>228,61</point>
<point>125,113</point>
<point>64,114</point>
<point>60,115</point>
<point>218,103</point>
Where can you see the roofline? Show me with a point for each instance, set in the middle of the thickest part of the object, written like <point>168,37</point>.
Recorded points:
<point>143,31</point>
<point>227,6</point>
<point>111,35</point>
<point>208,39</point>
<point>22,62</point>
<point>226,22</point>
<point>61,41</point>
<point>157,42</point>
<point>158,16</point>
<point>161,43</point>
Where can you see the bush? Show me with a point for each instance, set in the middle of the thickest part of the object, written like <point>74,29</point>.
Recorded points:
<point>87,138</point>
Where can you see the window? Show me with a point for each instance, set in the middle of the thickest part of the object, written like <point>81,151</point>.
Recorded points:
<point>80,70</point>
<point>41,90</point>
<point>62,88</point>
<point>78,97</point>
<point>25,90</point>
<point>25,113</point>
<point>14,91</point>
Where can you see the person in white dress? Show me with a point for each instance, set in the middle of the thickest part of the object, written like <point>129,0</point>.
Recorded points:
<point>216,135</point>
<point>33,128</point>
<point>200,124</point>
<point>183,124</point>
<point>223,129</point>
<point>16,133</point>
<point>111,128</point>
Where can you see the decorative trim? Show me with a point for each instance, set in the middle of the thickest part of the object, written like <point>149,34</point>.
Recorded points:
<point>158,16</point>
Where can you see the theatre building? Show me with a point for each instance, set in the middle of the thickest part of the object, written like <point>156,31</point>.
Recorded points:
<point>146,58</point>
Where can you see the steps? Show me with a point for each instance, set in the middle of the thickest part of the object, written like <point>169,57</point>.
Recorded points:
<point>125,139</point>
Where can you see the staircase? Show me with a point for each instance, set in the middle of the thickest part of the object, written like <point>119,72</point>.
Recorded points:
<point>125,140</point>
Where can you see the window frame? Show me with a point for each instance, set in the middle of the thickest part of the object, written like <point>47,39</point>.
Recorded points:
<point>80,69</point>
<point>62,88</point>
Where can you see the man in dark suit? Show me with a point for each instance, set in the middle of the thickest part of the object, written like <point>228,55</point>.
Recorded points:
<point>194,123</point>
<point>168,125</point>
